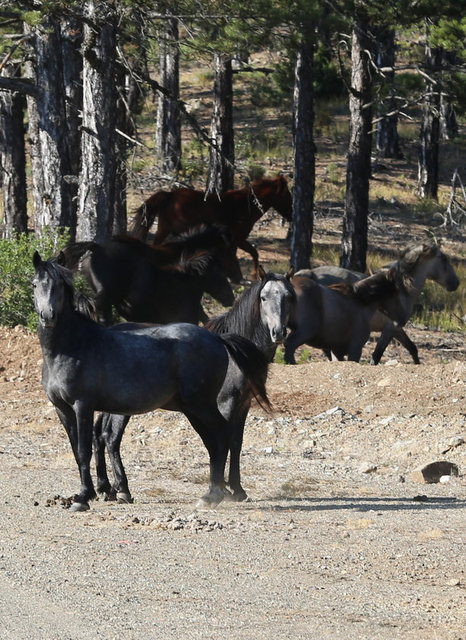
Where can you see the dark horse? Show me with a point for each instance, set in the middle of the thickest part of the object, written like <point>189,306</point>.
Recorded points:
<point>158,285</point>
<point>181,367</point>
<point>260,314</point>
<point>237,210</point>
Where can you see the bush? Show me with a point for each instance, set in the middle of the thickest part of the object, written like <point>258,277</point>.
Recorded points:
<point>16,273</point>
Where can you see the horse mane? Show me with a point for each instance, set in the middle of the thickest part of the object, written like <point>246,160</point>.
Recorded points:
<point>58,271</point>
<point>187,252</point>
<point>244,316</point>
<point>415,252</point>
<point>343,288</point>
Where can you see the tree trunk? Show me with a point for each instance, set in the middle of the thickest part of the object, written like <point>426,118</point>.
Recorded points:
<point>430,127</point>
<point>98,150</point>
<point>168,129</point>
<point>304,159</point>
<point>448,122</point>
<point>72,37</point>
<point>51,158</point>
<point>354,237</point>
<point>222,157</point>
<point>13,160</point>
<point>387,140</point>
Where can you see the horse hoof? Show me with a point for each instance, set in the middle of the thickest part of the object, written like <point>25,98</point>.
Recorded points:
<point>240,496</point>
<point>79,506</point>
<point>211,499</point>
<point>124,498</point>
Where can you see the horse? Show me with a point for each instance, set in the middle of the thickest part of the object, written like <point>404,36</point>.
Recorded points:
<point>418,262</point>
<point>237,210</point>
<point>261,315</point>
<point>88,367</point>
<point>337,319</point>
<point>147,284</point>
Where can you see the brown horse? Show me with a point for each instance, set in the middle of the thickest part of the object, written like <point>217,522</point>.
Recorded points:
<point>237,210</point>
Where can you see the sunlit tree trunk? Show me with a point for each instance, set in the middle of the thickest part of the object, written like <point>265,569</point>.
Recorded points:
<point>168,130</point>
<point>387,140</point>
<point>222,156</point>
<point>50,157</point>
<point>13,159</point>
<point>354,237</point>
<point>304,158</point>
<point>98,150</point>
<point>430,127</point>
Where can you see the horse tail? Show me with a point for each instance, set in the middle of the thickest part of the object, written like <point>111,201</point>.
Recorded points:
<point>75,251</point>
<point>145,215</point>
<point>253,364</point>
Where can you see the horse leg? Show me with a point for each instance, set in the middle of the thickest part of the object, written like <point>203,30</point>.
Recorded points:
<point>388,331</point>
<point>84,421</point>
<point>103,483</point>
<point>292,342</point>
<point>215,440</point>
<point>251,249</point>
<point>113,429</point>
<point>236,443</point>
<point>407,343</point>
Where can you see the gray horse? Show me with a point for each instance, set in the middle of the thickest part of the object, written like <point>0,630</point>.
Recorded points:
<point>419,262</point>
<point>337,319</point>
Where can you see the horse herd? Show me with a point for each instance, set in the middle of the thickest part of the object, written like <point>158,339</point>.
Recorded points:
<point>162,358</point>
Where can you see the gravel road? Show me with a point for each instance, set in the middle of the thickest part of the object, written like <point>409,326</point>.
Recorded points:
<point>337,541</point>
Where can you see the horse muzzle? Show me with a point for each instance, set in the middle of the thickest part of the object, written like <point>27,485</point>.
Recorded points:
<point>278,334</point>
<point>452,284</point>
<point>48,319</point>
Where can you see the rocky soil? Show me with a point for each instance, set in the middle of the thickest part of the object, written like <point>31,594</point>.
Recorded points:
<point>338,540</point>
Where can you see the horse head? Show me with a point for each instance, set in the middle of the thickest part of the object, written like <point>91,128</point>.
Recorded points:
<point>439,267</point>
<point>52,284</point>
<point>276,299</point>
<point>274,192</point>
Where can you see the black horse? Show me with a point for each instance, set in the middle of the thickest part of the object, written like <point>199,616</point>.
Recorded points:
<point>260,314</point>
<point>158,285</point>
<point>181,367</point>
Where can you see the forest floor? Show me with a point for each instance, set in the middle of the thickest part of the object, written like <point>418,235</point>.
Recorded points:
<point>339,538</point>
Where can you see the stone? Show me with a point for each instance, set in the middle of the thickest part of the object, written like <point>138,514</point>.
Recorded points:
<point>432,472</point>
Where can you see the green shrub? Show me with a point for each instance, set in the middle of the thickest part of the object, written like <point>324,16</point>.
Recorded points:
<point>16,273</point>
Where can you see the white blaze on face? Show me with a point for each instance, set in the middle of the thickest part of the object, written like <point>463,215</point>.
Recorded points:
<point>274,309</point>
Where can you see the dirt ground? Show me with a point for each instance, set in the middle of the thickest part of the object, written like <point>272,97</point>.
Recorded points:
<point>338,540</point>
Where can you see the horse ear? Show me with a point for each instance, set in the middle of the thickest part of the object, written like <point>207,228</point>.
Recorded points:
<point>290,273</point>
<point>261,272</point>
<point>61,259</point>
<point>36,259</point>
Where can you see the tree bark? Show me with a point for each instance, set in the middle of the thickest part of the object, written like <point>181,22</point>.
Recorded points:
<point>98,151</point>
<point>387,140</point>
<point>430,127</point>
<point>304,158</point>
<point>354,237</point>
<point>222,157</point>
<point>51,159</point>
<point>168,128</point>
<point>13,159</point>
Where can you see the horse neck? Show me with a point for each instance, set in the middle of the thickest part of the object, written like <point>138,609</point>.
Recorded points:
<point>419,274</point>
<point>64,336</point>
